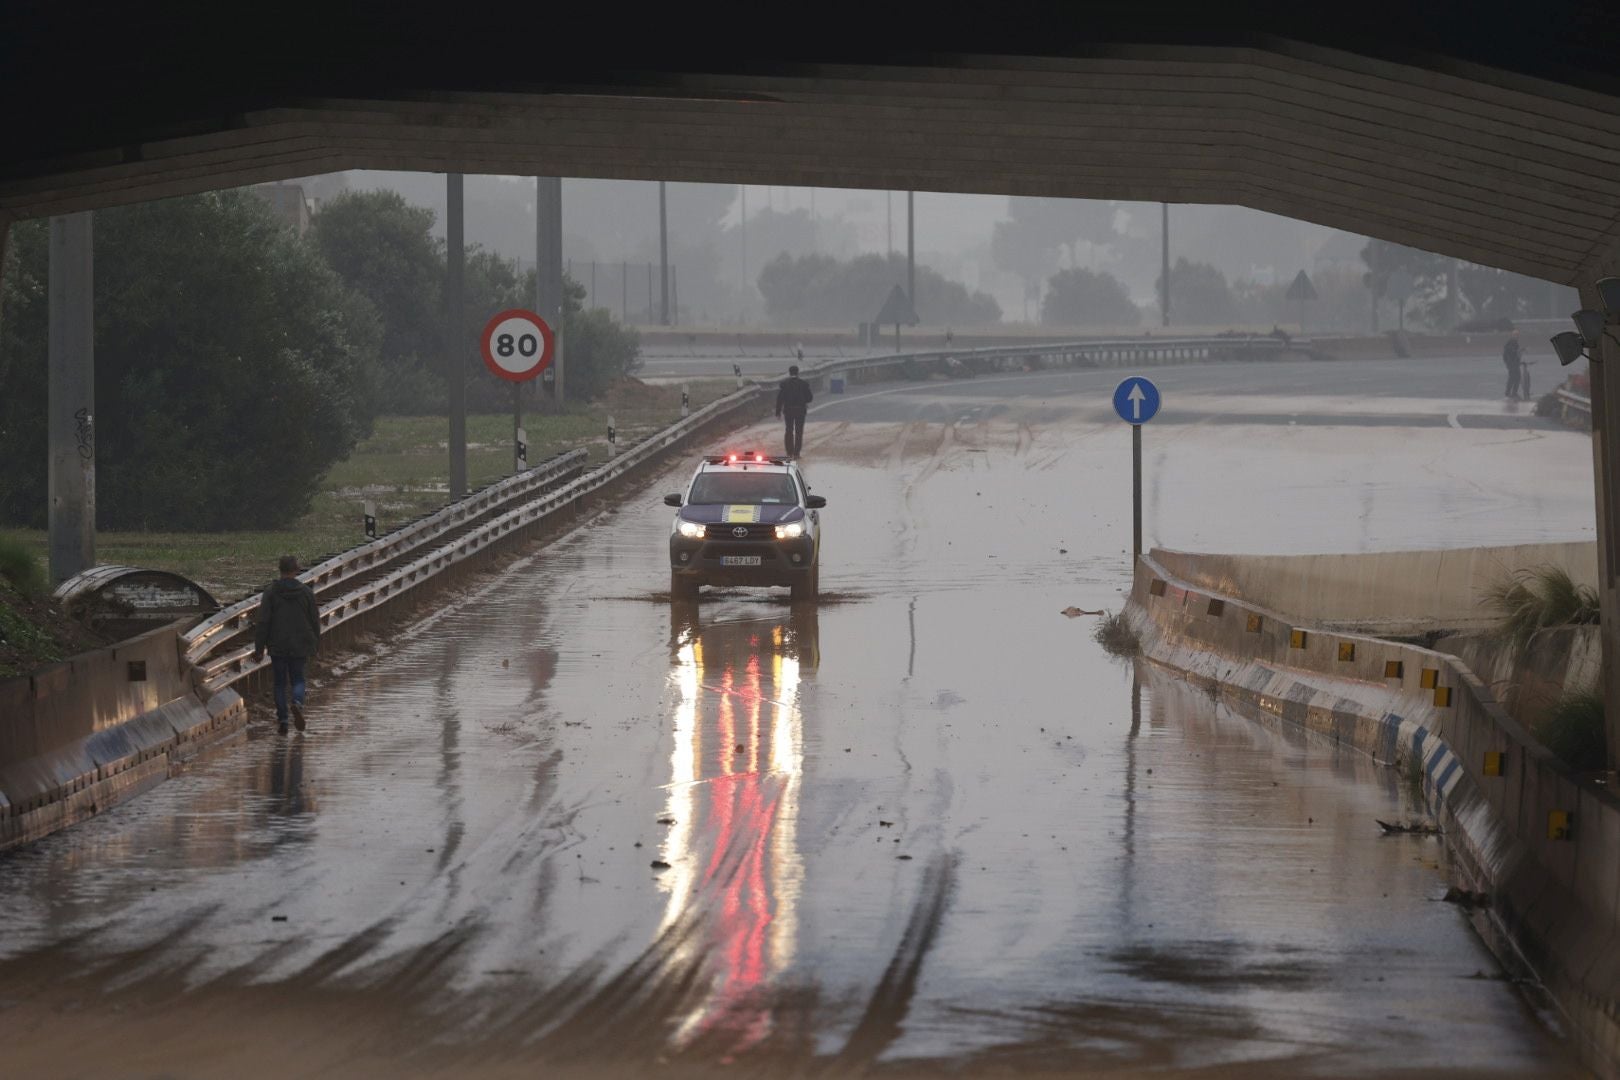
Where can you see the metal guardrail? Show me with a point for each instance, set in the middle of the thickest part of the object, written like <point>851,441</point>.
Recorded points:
<point>327,575</point>
<point>1569,401</point>
<point>218,666</point>
<point>520,501</point>
<point>1108,352</point>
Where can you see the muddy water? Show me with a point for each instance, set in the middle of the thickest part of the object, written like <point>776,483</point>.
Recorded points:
<point>928,827</point>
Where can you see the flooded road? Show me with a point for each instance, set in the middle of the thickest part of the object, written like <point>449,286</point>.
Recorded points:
<point>926,827</point>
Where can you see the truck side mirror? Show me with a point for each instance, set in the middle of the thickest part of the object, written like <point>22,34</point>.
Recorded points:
<point>814,502</point>
<point>673,499</point>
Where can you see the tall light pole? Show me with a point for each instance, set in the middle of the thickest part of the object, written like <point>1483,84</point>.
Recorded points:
<point>548,277</point>
<point>911,250</point>
<point>455,373</point>
<point>71,397</point>
<point>1164,263</point>
<point>663,255</point>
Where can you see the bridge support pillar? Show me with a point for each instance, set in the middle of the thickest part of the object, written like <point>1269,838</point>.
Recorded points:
<point>1606,474</point>
<point>71,397</point>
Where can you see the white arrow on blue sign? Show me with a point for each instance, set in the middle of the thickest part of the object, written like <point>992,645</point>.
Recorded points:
<point>1136,400</point>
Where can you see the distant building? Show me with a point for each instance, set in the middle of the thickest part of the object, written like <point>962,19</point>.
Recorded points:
<point>288,202</point>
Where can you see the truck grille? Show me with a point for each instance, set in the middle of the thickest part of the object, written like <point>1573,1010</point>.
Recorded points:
<point>756,531</point>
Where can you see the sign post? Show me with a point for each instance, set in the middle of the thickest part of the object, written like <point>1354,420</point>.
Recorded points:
<point>517,345</point>
<point>1136,400</point>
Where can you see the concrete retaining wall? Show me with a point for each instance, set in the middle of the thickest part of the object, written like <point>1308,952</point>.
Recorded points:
<point>79,736</point>
<point>1396,592</point>
<point>1544,847</point>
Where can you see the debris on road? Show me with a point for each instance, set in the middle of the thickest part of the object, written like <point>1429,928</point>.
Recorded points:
<point>659,864</point>
<point>1414,828</point>
<point>1074,612</point>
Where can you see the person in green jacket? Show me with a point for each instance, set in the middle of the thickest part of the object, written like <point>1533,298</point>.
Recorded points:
<point>289,628</point>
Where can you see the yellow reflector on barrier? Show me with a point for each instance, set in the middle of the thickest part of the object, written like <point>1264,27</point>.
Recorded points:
<point>1430,678</point>
<point>1296,639</point>
<point>1394,669</point>
<point>1493,762</point>
<point>1255,622</point>
<point>1347,651</point>
<point>1558,824</point>
<point>1442,696</point>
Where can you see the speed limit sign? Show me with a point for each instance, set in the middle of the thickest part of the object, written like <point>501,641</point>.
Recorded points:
<point>517,345</point>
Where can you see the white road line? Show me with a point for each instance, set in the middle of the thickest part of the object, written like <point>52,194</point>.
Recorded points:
<point>1451,418</point>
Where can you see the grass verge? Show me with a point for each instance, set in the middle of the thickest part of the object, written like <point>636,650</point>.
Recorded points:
<point>404,468</point>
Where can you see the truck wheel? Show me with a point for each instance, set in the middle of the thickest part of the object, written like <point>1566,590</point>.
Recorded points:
<point>810,588</point>
<point>682,588</point>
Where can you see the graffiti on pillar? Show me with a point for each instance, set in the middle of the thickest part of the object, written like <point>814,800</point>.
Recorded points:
<point>84,432</point>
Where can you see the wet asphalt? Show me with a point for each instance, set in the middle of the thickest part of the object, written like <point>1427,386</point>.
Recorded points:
<point>927,826</point>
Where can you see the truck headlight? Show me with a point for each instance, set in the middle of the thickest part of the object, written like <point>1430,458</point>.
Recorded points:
<point>791,531</point>
<point>689,528</point>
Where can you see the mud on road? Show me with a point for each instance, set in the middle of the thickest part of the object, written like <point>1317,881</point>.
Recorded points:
<point>559,826</point>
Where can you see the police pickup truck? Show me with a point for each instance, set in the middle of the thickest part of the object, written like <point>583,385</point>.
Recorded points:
<point>746,519</point>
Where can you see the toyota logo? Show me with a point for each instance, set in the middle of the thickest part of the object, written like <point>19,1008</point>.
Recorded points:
<point>741,530</point>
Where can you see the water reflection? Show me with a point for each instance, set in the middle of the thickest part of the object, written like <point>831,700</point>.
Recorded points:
<point>736,769</point>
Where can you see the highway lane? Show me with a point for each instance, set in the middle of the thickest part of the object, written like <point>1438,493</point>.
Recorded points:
<point>928,825</point>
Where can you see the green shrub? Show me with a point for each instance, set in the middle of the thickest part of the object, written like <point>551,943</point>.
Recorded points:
<point>20,566</point>
<point>1530,601</point>
<point>1573,730</point>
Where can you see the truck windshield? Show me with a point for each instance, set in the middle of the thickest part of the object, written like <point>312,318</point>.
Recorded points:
<point>746,488</point>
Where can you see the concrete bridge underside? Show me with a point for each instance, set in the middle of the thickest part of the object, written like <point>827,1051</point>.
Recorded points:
<point>1479,131</point>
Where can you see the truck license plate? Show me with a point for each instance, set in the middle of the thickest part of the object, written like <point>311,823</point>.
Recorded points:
<point>739,560</point>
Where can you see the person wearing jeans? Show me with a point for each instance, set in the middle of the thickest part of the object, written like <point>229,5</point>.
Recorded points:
<point>288,626</point>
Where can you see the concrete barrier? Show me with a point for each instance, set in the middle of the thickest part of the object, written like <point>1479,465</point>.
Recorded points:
<point>79,736</point>
<point>1396,592</point>
<point>1542,846</point>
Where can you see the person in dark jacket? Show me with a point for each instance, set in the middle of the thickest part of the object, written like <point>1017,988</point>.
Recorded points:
<point>792,403</point>
<point>289,627</point>
<point>1513,358</point>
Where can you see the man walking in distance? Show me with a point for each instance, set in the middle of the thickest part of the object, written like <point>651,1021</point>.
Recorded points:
<point>792,402</point>
<point>1513,358</point>
<point>289,626</point>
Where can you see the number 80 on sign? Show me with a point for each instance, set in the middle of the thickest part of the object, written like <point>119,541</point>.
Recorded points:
<point>517,345</point>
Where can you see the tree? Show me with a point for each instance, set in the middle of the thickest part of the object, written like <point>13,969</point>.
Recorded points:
<point>384,249</point>
<point>818,290</point>
<point>1031,242</point>
<point>1082,298</point>
<point>233,367</point>
<point>1198,294</point>
<point>1386,262</point>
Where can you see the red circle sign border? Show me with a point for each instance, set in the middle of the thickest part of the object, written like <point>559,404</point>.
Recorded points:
<point>547,339</point>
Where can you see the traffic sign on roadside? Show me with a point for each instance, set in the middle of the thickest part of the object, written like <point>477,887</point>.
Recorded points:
<point>1136,400</point>
<point>517,345</point>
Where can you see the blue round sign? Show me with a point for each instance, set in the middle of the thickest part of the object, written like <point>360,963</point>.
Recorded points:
<point>1136,400</point>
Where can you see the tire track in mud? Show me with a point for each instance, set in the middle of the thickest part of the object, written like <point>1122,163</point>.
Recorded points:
<point>883,1020</point>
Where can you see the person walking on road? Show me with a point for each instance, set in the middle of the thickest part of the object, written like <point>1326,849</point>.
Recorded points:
<point>1513,358</point>
<point>289,628</point>
<point>792,403</point>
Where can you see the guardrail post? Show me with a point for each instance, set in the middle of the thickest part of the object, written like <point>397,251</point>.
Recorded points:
<point>613,439</point>
<point>686,401</point>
